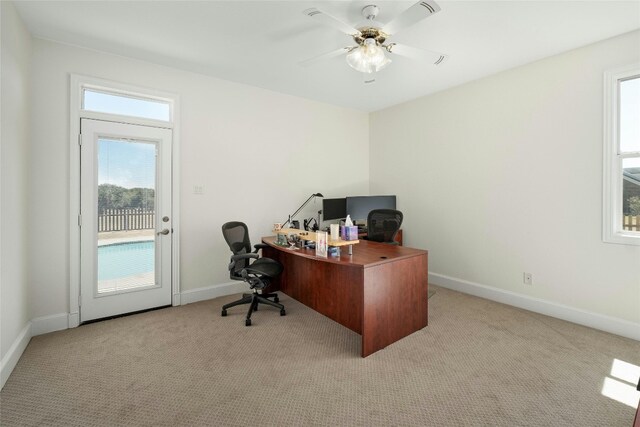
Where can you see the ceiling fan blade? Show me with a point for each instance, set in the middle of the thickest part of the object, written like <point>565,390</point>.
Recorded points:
<point>419,11</point>
<point>331,21</point>
<point>421,55</point>
<point>312,61</point>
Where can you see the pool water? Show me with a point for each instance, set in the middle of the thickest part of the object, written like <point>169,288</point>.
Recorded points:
<point>125,259</point>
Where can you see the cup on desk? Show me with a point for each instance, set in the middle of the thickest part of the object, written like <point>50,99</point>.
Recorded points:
<point>335,231</point>
<point>277,226</point>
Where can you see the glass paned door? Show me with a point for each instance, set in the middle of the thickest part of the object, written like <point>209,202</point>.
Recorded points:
<point>126,211</point>
<point>126,214</point>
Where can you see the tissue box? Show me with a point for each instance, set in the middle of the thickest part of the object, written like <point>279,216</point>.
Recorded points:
<point>349,233</point>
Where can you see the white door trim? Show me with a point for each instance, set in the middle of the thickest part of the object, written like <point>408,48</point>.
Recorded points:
<point>77,82</point>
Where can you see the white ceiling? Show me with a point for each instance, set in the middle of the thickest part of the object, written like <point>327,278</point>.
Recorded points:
<point>261,42</point>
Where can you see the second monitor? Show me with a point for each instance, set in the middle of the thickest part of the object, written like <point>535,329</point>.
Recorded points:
<point>334,209</point>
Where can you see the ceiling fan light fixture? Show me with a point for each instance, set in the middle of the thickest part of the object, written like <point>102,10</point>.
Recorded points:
<point>369,57</point>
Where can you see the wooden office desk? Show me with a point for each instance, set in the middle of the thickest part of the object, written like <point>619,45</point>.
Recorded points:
<point>380,291</point>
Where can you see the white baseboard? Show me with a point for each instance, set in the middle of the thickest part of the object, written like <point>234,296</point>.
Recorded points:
<point>214,291</point>
<point>52,323</point>
<point>12,356</point>
<point>613,325</point>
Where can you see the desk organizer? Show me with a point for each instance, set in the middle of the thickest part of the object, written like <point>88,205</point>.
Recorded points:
<point>311,236</point>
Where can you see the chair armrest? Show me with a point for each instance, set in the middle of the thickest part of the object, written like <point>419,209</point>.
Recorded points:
<point>244,256</point>
<point>235,258</point>
<point>260,246</point>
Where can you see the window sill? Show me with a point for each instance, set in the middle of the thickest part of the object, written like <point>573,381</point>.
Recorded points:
<point>623,239</point>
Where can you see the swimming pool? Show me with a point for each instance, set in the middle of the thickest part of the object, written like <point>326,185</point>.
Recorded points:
<point>125,259</point>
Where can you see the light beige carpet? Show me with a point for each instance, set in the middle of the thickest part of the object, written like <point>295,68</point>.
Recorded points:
<point>477,363</point>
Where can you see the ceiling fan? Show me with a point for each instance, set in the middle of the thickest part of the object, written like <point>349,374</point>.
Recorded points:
<point>368,55</point>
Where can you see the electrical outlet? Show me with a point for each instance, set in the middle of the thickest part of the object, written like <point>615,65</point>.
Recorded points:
<point>197,189</point>
<point>527,278</point>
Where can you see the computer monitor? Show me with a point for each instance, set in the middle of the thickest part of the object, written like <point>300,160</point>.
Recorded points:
<point>358,207</point>
<point>334,209</point>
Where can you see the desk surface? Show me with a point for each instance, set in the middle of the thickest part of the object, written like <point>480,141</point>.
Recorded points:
<point>365,254</point>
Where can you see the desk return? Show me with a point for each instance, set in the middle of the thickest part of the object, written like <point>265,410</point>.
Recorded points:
<point>379,292</point>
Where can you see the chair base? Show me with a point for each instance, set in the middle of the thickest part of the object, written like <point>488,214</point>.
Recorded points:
<point>253,300</point>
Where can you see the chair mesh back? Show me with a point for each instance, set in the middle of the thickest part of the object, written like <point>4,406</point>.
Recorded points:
<point>236,234</point>
<point>383,225</point>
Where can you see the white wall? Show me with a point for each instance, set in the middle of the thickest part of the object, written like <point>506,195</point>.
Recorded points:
<point>258,154</point>
<point>14,86</point>
<point>504,175</point>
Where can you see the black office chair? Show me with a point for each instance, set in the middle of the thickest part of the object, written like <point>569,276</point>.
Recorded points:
<point>257,273</point>
<point>383,225</point>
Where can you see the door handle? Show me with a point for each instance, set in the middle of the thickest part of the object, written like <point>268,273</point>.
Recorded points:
<point>165,232</point>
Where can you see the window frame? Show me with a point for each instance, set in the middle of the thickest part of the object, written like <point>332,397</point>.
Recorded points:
<point>79,83</point>
<point>612,159</point>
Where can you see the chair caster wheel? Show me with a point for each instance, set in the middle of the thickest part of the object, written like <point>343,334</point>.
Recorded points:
<point>283,313</point>
<point>247,322</point>
<point>255,308</point>
<point>276,299</point>
<point>224,313</point>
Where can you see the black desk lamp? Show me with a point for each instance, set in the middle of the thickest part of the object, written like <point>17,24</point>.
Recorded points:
<point>288,221</point>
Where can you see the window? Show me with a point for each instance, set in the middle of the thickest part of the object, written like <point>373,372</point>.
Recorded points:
<point>622,156</point>
<point>125,105</point>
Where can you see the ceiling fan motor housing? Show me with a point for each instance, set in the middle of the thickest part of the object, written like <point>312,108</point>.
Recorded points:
<point>371,29</point>
<point>370,33</point>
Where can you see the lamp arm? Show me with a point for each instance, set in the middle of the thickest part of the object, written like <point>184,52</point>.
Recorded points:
<point>300,208</point>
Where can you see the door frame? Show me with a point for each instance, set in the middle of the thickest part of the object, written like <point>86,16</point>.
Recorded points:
<point>76,113</point>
